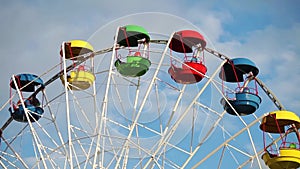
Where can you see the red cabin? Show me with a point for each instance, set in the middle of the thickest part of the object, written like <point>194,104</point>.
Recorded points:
<point>192,69</point>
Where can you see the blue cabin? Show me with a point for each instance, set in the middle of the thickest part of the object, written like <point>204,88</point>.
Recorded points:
<point>26,83</point>
<point>245,100</point>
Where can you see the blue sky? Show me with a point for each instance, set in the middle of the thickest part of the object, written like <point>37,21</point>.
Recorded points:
<point>267,32</point>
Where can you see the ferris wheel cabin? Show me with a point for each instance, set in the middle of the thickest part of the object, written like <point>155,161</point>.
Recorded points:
<point>136,64</point>
<point>191,70</point>
<point>26,83</point>
<point>80,78</point>
<point>246,100</point>
<point>288,155</point>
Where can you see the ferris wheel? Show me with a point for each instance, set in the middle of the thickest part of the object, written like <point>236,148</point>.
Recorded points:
<point>149,101</point>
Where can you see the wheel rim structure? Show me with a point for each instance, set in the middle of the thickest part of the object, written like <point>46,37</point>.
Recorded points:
<point>134,122</point>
